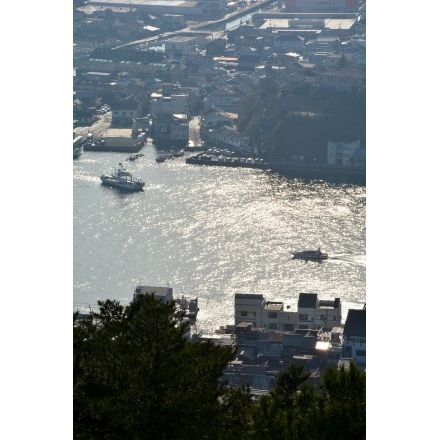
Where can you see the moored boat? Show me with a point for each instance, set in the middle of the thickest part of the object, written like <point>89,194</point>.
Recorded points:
<point>77,152</point>
<point>310,255</point>
<point>122,179</point>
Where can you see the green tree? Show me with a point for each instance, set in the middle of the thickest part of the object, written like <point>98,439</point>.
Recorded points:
<point>344,397</point>
<point>295,409</point>
<point>136,376</point>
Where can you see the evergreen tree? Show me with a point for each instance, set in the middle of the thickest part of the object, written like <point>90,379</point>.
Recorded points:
<point>136,376</point>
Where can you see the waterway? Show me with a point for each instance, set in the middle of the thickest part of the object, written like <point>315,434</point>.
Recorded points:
<point>211,232</point>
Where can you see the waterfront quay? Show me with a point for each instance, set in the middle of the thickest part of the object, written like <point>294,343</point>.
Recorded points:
<point>355,175</point>
<point>332,173</point>
<point>118,140</point>
<point>206,159</point>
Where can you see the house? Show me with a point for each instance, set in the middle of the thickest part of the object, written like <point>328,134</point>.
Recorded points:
<point>222,98</point>
<point>248,61</point>
<point>342,80</point>
<point>160,293</point>
<point>288,42</point>
<point>170,130</point>
<point>354,344</point>
<point>228,137</point>
<point>215,117</point>
<point>124,111</point>
<point>345,153</point>
<point>140,125</point>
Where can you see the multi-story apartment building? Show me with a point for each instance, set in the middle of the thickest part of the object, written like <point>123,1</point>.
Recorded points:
<point>175,103</point>
<point>312,312</point>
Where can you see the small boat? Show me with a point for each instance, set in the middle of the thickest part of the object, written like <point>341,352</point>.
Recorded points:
<point>122,179</point>
<point>310,255</point>
<point>132,158</point>
<point>77,152</point>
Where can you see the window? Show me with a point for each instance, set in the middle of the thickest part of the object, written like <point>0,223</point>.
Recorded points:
<point>288,327</point>
<point>243,314</point>
<point>303,317</point>
<point>273,315</point>
<point>272,326</point>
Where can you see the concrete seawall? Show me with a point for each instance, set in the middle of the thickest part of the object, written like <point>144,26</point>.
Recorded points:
<point>335,174</point>
<point>332,173</point>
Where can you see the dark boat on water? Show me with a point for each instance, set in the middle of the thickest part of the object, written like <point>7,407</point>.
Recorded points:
<point>122,179</point>
<point>309,255</point>
<point>77,152</point>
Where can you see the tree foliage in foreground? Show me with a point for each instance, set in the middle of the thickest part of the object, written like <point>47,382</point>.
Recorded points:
<point>136,376</point>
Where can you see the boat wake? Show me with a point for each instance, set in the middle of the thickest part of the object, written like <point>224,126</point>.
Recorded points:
<point>358,260</point>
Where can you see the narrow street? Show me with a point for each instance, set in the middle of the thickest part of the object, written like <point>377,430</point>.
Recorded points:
<point>194,132</point>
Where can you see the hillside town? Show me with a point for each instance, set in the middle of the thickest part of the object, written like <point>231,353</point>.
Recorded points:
<point>156,66</point>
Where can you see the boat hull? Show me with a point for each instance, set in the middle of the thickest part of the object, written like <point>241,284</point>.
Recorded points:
<point>310,255</point>
<point>126,186</point>
<point>302,257</point>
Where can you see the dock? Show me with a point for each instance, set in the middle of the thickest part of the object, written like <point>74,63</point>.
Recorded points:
<point>115,140</point>
<point>205,159</point>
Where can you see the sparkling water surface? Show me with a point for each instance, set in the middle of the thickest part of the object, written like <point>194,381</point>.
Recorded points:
<point>211,232</point>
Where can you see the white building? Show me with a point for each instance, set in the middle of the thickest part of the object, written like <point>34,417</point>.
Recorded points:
<point>229,137</point>
<point>176,103</point>
<point>342,153</point>
<point>316,313</point>
<point>221,98</point>
<point>215,117</point>
<point>275,315</point>
<point>181,45</point>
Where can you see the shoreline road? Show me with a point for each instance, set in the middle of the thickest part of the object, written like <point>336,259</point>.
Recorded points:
<point>100,126</point>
